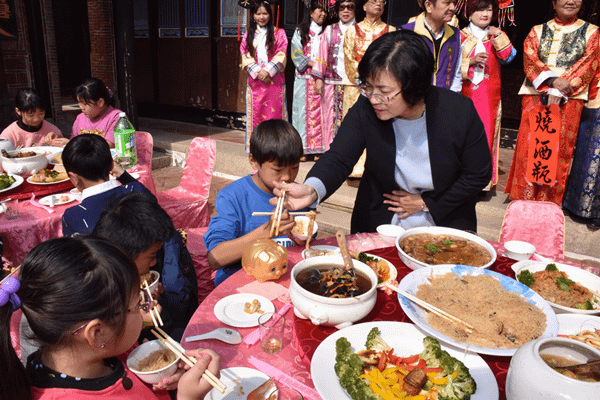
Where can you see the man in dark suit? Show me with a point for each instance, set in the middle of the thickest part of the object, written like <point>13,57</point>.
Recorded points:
<point>427,154</point>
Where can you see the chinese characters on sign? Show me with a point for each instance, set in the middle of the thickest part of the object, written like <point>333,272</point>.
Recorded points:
<point>542,158</point>
<point>8,21</point>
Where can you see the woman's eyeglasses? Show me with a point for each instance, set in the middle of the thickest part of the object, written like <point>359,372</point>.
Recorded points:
<point>379,97</point>
<point>349,7</point>
<point>378,2</point>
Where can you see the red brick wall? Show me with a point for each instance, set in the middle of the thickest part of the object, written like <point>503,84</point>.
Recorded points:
<point>102,41</point>
<point>15,57</point>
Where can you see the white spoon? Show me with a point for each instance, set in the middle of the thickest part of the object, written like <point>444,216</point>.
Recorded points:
<point>223,334</point>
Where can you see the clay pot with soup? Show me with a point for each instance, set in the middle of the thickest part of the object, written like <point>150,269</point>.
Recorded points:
<point>531,376</point>
<point>336,310</point>
<point>24,161</point>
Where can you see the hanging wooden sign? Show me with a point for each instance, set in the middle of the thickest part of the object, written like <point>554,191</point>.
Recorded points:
<point>542,157</point>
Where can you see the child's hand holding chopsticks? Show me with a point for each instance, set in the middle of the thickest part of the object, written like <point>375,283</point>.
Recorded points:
<point>192,385</point>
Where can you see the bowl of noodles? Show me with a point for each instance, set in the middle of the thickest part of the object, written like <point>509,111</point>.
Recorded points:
<point>152,362</point>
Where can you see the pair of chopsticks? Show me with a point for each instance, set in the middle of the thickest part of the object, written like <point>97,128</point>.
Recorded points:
<point>176,348</point>
<point>153,310</point>
<point>258,213</point>
<point>449,317</point>
<point>277,220</point>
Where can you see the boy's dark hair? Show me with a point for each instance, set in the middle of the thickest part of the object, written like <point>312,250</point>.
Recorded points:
<point>92,90</point>
<point>88,156</point>
<point>278,141</point>
<point>406,56</point>
<point>134,222</point>
<point>28,100</point>
<point>66,282</point>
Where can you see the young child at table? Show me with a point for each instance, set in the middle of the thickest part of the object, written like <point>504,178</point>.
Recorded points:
<point>82,300</point>
<point>30,128</point>
<point>275,152</point>
<point>98,115</point>
<point>88,162</point>
<point>144,231</point>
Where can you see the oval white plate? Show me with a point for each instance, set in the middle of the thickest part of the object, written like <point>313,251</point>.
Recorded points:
<point>335,250</point>
<point>573,324</point>
<point>581,276</point>
<point>240,381</point>
<point>418,315</point>
<point>230,310</point>
<point>393,270</point>
<point>18,181</point>
<point>406,339</point>
<point>45,183</point>
<point>57,202</point>
<point>75,191</point>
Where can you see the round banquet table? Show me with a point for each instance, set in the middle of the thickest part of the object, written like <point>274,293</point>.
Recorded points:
<point>36,225</point>
<point>302,337</point>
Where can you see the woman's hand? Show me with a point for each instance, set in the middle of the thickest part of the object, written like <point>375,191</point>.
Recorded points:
<point>297,196</point>
<point>563,85</point>
<point>192,385</point>
<point>264,76</point>
<point>479,58</point>
<point>494,31</point>
<point>403,203</point>
<point>319,84</point>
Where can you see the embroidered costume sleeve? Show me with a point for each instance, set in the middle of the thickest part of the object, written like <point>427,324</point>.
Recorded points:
<point>248,62</point>
<point>299,59</point>
<point>279,59</point>
<point>320,64</point>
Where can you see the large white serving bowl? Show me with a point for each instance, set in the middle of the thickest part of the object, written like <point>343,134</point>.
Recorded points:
<point>529,377</point>
<point>24,165</point>
<point>143,351</point>
<point>578,275</point>
<point>411,282</point>
<point>331,311</point>
<point>413,263</point>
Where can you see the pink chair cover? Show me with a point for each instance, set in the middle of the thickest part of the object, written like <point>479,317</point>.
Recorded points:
<point>144,144</point>
<point>540,223</point>
<point>187,204</point>
<point>197,249</point>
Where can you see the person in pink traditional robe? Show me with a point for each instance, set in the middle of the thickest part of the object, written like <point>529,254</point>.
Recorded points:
<point>484,49</point>
<point>263,51</point>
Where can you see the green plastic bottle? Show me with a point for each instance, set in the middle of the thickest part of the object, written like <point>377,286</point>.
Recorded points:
<point>125,142</point>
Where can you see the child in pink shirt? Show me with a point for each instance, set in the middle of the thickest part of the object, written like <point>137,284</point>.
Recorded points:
<point>30,128</point>
<point>98,116</point>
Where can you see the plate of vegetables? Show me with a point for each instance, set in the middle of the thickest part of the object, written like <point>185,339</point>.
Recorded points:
<point>567,289</point>
<point>386,271</point>
<point>397,349</point>
<point>9,182</point>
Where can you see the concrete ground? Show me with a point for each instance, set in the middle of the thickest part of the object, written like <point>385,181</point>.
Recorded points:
<point>172,139</point>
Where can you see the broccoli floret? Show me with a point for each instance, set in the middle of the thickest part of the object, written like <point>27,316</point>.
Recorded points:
<point>459,388</point>
<point>526,278</point>
<point>375,342</point>
<point>348,368</point>
<point>584,306</point>
<point>551,267</point>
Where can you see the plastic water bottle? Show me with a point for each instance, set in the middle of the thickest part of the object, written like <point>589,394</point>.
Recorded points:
<point>125,142</point>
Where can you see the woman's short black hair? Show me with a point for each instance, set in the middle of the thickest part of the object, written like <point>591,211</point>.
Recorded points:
<point>29,100</point>
<point>406,56</point>
<point>88,156</point>
<point>277,141</point>
<point>478,5</point>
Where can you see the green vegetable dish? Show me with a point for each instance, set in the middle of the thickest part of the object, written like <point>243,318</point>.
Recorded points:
<point>6,181</point>
<point>377,373</point>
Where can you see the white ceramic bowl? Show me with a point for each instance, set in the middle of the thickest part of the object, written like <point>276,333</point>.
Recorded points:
<point>529,377</point>
<point>143,351</point>
<point>154,284</point>
<point>578,275</point>
<point>6,144</point>
<point>301,220</point>
<point>518,250</point>
<point>24,165</point>
<point>413,263</point>
<point>327,311</point>
<point>389,232</point>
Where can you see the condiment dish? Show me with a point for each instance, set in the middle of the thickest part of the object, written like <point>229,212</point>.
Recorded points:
<point>518,250</point>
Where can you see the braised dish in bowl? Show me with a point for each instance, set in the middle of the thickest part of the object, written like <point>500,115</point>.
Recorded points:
<point>435,245</point>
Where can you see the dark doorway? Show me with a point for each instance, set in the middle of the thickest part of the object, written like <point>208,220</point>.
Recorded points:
<point>72,35</point>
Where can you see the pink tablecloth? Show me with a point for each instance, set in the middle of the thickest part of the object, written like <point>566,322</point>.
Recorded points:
<point>36,225</point>
<point>302,337</point>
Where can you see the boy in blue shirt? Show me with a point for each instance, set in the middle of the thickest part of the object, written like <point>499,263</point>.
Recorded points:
<point>275,152</point>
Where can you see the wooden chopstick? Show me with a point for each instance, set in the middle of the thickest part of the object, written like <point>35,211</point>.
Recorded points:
<point>277,219</point>
<point>257,213</point>
<point>160,321</point>
<point>432,308</point>
<point>176,348</point>
<point>279,215</point>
